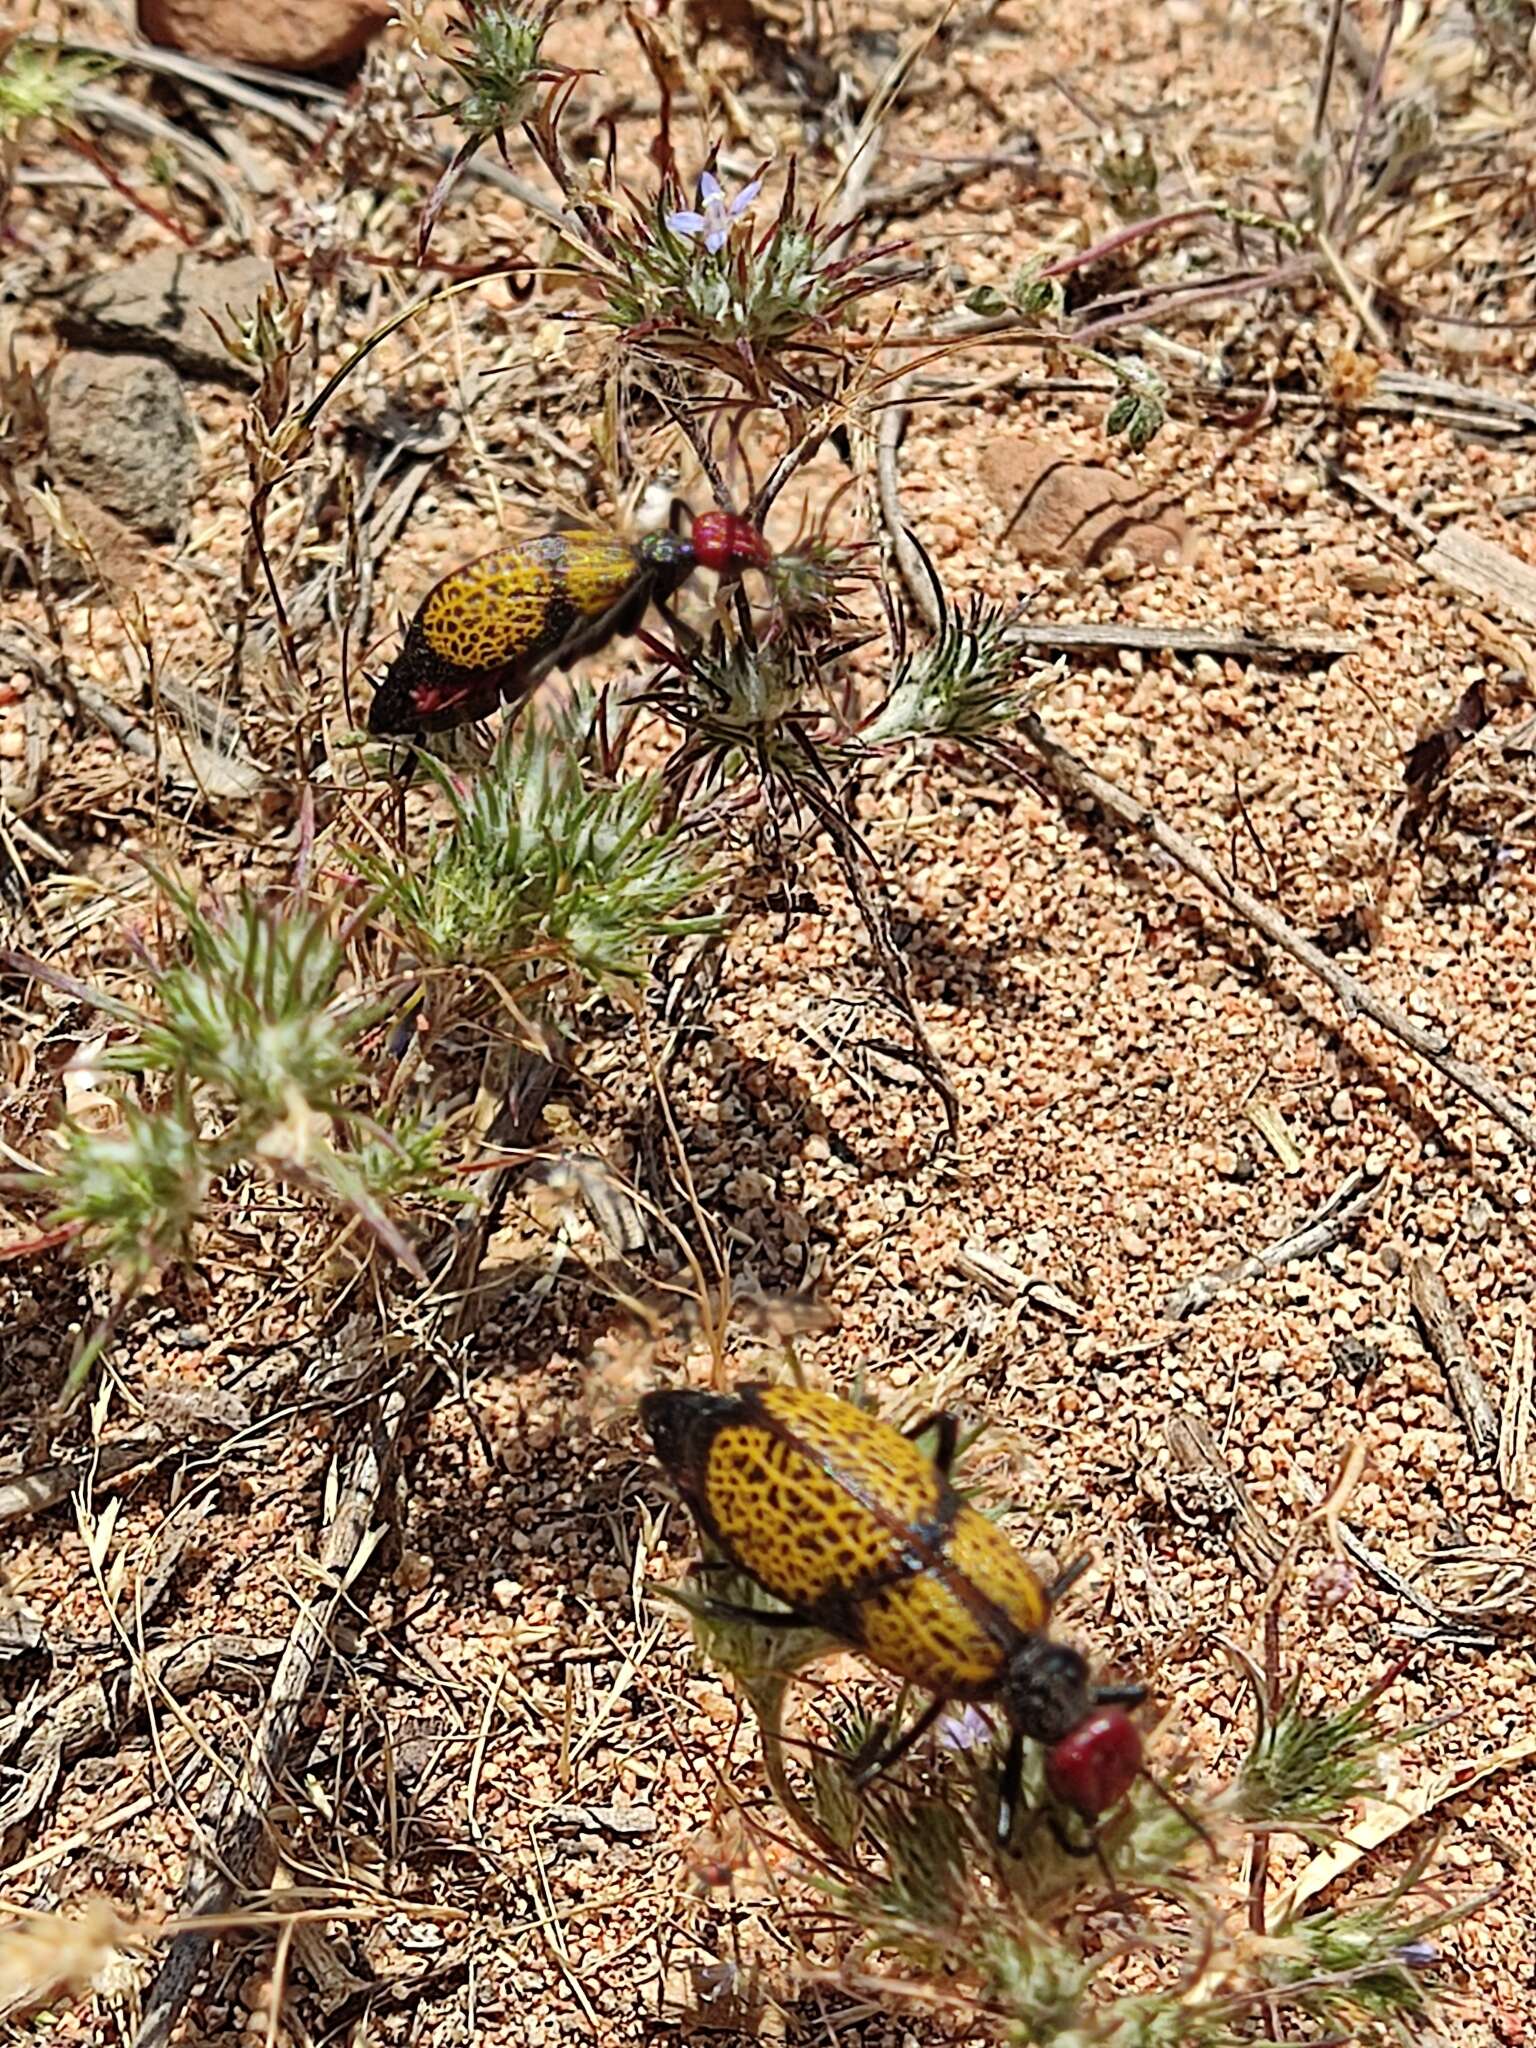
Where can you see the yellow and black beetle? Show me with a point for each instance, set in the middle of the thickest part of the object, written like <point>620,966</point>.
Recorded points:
<point>493,629</point>
<point>861,1534</point>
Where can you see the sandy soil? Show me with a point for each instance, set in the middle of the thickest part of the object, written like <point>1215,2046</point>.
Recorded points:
<point>513,1774</point>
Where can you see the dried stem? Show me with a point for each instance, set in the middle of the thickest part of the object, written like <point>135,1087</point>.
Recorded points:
<point>228,1860</point>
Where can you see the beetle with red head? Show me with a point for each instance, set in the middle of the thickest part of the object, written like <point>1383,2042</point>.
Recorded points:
<point>490,631</point>
<point>862,1535</point>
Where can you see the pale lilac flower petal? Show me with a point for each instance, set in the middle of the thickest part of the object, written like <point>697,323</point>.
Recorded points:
<point>716,214</point>
<point>968,1729</point>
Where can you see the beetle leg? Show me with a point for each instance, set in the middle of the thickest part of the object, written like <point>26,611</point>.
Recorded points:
<point>1008,1788</point>
<point>1092,1847</point>
<point>687,638</point>
<point>882,1759</point>
<point>949,1431</point>
<point>1065,1843</point>
<point>1119,1695</point>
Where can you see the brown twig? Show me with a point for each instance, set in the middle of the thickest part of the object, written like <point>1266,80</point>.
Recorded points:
<point>1354,997</point>
<point>1517,1454</point>
<point>1325,73</point>
<point>1442,1332</point>
<point>229,1855</point>
<point>1172,638</point>
<point>1072,773</point>
<point>1367,117</point>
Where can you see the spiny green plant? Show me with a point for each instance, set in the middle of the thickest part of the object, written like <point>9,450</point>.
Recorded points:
<point>963,684</point>
<point>253,1014</point>
<point>743,703</point>
<point>1304,1768</point>
<point>247,1045</point>
<point>675,276</point>
<point>547,865</point>
<point>40,81</point>
<point>135,1192</point>
<point>494,56</point>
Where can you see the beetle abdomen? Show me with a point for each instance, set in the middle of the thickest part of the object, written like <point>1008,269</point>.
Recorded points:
<point>496,623</point>
<point>845,1519</point>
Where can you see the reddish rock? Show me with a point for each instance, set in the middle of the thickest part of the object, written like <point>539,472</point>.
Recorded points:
<point>114,555</point>
<point>285,35</point>
<point>1069,514</point>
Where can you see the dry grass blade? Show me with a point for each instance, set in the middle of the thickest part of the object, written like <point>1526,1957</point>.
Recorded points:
<point>1328,1226</point>
<point>232,1851</point>
<point>1517,1422</point>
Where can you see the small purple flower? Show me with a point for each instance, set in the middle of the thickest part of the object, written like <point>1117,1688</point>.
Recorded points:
<point>714,223</point>
<point>968,1729</point>
<point>1418,1954</point>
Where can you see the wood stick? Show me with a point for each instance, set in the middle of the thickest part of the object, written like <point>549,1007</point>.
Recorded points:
<point>1354,997</point>
<point>1437,1318</point>
<point>1178,638</point>
<point>228,1857</point>
<point>1072,773</point>
<point>1517,1451</point>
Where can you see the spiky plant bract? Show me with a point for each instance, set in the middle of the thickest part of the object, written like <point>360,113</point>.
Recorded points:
<point>495,52</point>
<point>39,81</point>
<point>547,867</point>
<point>962,684</point>
<point>494,55</point>
<point>738,305</point>
<point>1305,1769</point>
<point>136,1191</point>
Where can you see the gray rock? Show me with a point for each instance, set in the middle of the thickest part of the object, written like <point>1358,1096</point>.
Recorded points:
<point>119,428</point>
<point>166,303</point>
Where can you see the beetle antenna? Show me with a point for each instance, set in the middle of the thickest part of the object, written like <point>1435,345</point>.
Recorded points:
<point>1064,1581</point>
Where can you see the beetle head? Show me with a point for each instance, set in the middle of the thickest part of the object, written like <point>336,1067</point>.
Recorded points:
<point>1093,1748</point>
<point>680,1424</point>
<point>1046,1689</point>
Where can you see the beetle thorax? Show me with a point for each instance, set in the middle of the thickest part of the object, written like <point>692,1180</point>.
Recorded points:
<point>666,551</point>
<point>1045,1689</point>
